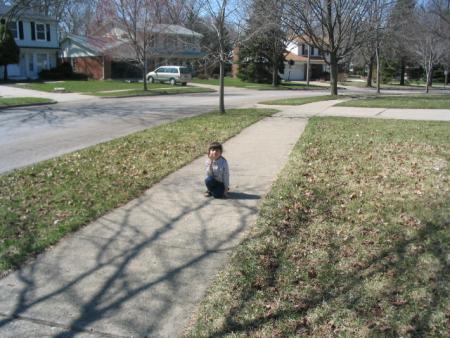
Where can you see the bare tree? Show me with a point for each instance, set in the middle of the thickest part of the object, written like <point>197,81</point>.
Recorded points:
<point>219,12</point>
<point>378,22</point>
<point>333,26</point>
<point>140,19</point>
<point>426,40</point>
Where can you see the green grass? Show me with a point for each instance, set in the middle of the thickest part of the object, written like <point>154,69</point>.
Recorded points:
<point>302,100</point>
<point>89,86</point>
<point>42,203</point>
<point>352,241</point>
<point>160,91</point>
<point>417,101</point>
<point>236,82</point>
<point>17,101</point>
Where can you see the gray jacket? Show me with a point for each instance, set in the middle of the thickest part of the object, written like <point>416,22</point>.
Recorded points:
<point>219,170</point>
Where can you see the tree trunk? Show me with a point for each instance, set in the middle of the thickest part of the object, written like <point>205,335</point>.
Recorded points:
<point>274,75</point>
<point>402,71</point>
<point>377,54</point>
<point>333,73</point>
<point>370,74</point>
<point>5,73</point>
<point>308,65</point>
<point>145,72</point>
<point>221,91</point>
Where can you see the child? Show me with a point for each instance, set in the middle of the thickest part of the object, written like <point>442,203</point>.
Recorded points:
<point>217,174</point>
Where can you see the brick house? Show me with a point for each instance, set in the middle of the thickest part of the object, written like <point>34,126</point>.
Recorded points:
<point>107,53</point>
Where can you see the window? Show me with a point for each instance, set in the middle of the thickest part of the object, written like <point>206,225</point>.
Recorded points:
<point>12,25</point>
<point>40,31</point>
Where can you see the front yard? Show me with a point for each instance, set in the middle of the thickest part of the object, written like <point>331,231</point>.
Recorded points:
<point>352,241</point>
<point>236,82</point>
<point>425,101</point>
<point>110,88</point>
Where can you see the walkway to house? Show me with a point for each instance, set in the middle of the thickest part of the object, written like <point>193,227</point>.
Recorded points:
<point>142,269</point>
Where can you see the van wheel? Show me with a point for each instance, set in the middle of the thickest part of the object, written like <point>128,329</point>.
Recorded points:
<point>172,82</point>
<point>184,84</point>
<point>151,80</point>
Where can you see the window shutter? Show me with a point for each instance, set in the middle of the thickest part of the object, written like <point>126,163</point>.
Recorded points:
<point>48,31</point>
<point>33,31</point>
<point>21,30</point>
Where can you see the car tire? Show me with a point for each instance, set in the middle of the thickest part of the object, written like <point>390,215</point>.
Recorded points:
<point>172,82</point>
<point>184,83</point>
<point>151,80</point>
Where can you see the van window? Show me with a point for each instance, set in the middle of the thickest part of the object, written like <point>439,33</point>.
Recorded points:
<point>161,70</point>
<point>184,70</point>
<point>174,70</point>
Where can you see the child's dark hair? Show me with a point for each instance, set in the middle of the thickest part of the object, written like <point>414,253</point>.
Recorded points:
<point>215,146</point>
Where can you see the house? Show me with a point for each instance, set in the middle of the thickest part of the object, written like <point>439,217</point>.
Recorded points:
<point>107,53</point>
<point>38,40</point>
<point>295,67</point>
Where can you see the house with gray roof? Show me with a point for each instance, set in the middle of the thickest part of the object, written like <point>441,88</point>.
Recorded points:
<point>107,53</point>
<point>38,40</point>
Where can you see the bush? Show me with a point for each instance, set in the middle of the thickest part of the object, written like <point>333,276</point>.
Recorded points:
<point>61,72</point>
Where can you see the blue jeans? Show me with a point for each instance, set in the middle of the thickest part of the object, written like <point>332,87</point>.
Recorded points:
<point>216,188</point>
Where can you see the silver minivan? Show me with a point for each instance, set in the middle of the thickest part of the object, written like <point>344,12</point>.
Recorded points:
<point>171,74</point>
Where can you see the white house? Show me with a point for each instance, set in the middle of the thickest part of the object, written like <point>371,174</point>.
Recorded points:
<point>297,58</point>
<point>37,37</point>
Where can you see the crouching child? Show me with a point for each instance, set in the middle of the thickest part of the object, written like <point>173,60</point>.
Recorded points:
<point>217,179</point>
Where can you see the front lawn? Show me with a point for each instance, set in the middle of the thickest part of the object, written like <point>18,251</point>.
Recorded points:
<point>155,91</point>
<point>18,101</point>
<point>101,88</point>
<point>352,241</point>
<point>236,82</point>
<point>298,101</point>
<point>417,101</point>
<point>41,203</point>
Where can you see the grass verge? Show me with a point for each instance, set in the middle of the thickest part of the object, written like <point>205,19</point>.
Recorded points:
<point>352,240</point>
<point>236,82</point>
<point>41,203</point>
<point>18,101</point>
<point>414,102</point>
<point>298,101</point>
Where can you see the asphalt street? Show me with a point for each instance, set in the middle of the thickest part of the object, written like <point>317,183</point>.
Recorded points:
<point>32,134</point>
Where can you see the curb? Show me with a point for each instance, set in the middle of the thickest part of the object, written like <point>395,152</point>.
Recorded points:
<point>27,105</point>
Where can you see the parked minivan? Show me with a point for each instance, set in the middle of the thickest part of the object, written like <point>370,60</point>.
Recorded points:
<point>171,74</point>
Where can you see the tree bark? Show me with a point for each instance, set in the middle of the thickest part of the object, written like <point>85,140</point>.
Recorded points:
<point>370,74</point>
<point>5,73</point>
<point>377,53</point>
<point>333,73</point>
<point>145,72</point>
<point>402,71</point>
<point>221,90</point>
<point>308,65</point>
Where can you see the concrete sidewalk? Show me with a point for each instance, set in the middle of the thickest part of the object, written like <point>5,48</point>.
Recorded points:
<point>10,91</point>
<point>142,269</point>
<point>326,108</point>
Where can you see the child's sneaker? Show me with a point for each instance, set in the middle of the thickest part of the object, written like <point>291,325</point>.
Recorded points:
<point>207,193</point>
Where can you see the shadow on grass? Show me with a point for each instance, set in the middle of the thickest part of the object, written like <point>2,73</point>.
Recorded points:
<point>350,282</point>
<point>122,275</point>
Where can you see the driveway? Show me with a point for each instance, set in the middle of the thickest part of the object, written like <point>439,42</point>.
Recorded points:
<point>10,91</point>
